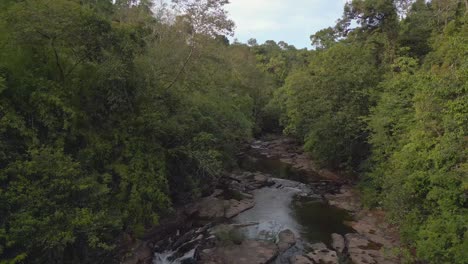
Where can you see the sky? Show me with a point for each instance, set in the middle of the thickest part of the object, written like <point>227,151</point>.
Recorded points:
<point>292,21</point>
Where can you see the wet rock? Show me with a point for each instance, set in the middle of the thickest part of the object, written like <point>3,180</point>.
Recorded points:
<point>338,242</point>
<point>249,252</point>
<point>300,260</point>
<point>286,239</point>
<point>321,254</point>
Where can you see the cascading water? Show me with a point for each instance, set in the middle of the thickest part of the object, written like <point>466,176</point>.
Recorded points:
<point>168,257</point>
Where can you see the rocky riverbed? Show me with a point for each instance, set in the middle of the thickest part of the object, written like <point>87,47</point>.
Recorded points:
<point>278,209</point>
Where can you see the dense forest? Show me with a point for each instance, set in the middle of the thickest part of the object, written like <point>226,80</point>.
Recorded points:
<point>112,113</point>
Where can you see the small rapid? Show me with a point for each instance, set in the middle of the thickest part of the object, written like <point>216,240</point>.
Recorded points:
<point>169,257</point>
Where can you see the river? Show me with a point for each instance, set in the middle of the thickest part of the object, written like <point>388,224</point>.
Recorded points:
<point>280,207</point>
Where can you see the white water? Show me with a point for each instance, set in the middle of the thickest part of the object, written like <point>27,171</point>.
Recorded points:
<point>164,258</point>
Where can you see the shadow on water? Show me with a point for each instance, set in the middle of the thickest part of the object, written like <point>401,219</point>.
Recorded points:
<point>319,220</point>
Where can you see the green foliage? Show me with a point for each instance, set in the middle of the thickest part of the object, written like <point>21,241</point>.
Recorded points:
<point>419,150</point>
<point>387,99</point>
<point>277,61</point>
<point>326,102</point>
<point>109,116</point>
<point>416,29</point>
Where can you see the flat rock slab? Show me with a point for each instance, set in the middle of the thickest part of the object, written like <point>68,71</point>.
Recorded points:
<point>249,252</point>
<point>363,251</point>
<point>373,229</point>
<point>235,207</point>
<point>212,207</point>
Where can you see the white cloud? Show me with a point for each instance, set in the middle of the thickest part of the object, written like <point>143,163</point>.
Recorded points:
<point>295,20</point>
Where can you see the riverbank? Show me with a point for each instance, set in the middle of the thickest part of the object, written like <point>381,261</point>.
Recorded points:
<point>255,217</point>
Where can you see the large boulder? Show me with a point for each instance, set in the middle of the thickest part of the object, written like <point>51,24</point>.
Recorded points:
<point>338,243</point>
<point>258,180</point>
<point>286,239</point>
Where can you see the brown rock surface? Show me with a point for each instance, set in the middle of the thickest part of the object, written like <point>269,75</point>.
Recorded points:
<point>321,254</point>
<point>235,207</point>
<point>338,242</point>
<point>374,239</point>
<point>361,250</point>
<point>249,252</point>
<point>212,207</point>
<point>300,260</point>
